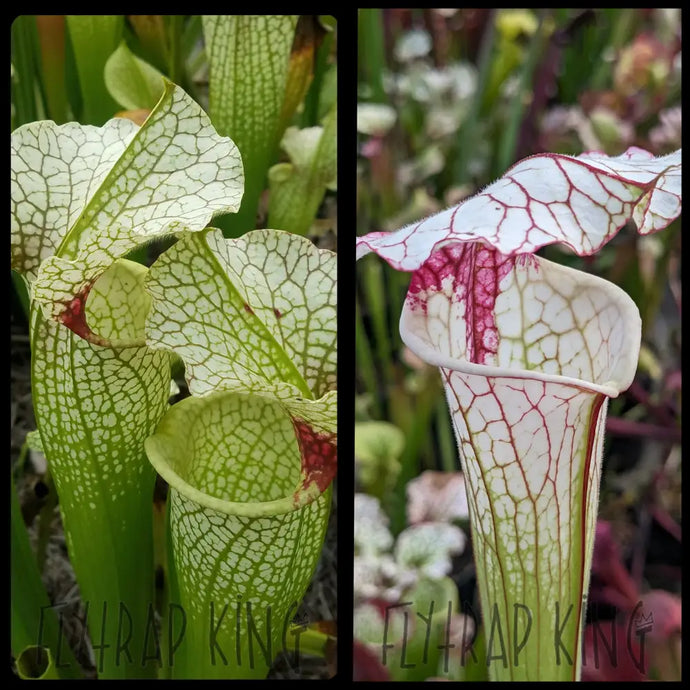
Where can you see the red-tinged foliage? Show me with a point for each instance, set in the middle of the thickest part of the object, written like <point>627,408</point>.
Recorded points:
<point>319,452</point>
<point>611,582</point>
<point>643,641</point>
<point>366,665</point>
<point>611,653</point>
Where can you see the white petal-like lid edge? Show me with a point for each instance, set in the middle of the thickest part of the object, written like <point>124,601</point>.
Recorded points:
<point>581,202</point>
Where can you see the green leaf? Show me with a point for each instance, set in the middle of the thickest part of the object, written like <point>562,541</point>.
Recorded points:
<point>298,188</point>
<point>133,83</point>
<point>249,58</point>
<point>94,38</point>
<point>91,195</point>
<point>25,56</point>
<point>235,453</point>
<point>255,316</point>
<point>372,59</point>
<point>118,303</point>
<point>21,293</point>
<point>322,90</point>
<point>378,441</point>
<point>55,170</point>
<point>328,94</point>
<point>33,440</point>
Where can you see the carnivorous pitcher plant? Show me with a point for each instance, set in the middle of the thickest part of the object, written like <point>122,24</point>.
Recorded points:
<point>249,457</point>
<point>530,352</point>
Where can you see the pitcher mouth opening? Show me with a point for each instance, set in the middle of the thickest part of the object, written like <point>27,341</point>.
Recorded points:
<point>419,347</point>
<point>174,453</point>
<point>601,355</point>
<point>256,509</point>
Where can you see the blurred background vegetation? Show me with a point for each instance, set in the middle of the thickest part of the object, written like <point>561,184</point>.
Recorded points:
<point>447,101</point>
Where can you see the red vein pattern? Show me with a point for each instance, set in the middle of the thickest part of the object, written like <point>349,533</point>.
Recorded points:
<point>529,352</point>
<point>474,273</point>
<point>581,202</point>
<point>535,448</point>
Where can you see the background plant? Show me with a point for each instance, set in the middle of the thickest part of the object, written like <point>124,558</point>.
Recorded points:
<point>56,74</point>
<point>448,100</point>
<point>403,597</point>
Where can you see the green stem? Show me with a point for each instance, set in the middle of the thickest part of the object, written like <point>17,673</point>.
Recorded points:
<point>622,30</point>
<point>310,115</point>
<point>508,142</point>
<point>33,620</point>
<point>375,289</point>
<point>372,59</point>
<point>173,618</point>
<point>416,424</point>
<point>467,137</point>
<point>175,52</point>
<point>446,441</point>
<point>95,481</point>
<point>94,38</point>
<point>24,61</point>
<point>365,364</point>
